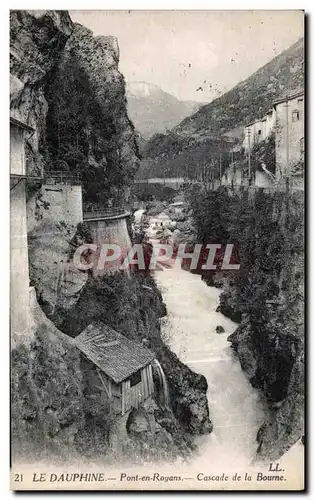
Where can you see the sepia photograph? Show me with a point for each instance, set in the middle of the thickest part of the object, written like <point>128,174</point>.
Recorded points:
<point>157,173</point>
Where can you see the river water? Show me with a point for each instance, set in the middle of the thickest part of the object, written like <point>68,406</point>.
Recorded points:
<point>236,409</point>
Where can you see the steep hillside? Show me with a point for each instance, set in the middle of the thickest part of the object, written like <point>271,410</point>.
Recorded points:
<point>152,110</point>
<point>224,118</point>
<point>251,98</point>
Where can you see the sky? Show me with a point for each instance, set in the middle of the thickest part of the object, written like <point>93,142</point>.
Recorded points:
<point>195,55</point>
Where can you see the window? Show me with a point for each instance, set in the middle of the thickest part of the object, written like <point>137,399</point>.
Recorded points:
<point>302,145</point>
<point>295,115</point>
<point>136,378</point>
<point>259,132</point>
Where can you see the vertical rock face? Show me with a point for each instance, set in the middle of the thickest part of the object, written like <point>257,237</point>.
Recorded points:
<point>88,129</point>
<point>270,338</point>
<point>65,83</point>
<point>36,39</point>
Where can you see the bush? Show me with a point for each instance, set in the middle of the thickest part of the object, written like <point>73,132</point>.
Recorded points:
<point>47,396</point>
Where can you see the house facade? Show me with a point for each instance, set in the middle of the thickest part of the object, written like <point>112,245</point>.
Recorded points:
<point>290,137</point>
<point>254,133</point>
<point>259,130</point>
<point>286,121</point>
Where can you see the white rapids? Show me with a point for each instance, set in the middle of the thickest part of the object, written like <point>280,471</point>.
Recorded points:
<point>138,215</point>
<point>236,409</point>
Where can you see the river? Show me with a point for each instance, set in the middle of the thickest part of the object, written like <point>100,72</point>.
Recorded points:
<point>236,409</point>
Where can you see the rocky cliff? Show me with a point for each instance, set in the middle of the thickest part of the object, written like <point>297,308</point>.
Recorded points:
<point>88,129</point>
<point>270,338</point>
<point>65,83</point>
<point>36,40</point>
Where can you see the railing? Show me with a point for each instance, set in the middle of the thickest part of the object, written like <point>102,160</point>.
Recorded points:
<point>56,176</point>
<point>104,213</point>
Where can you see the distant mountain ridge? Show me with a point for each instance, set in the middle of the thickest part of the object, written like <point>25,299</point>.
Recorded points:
<point>152,110</point>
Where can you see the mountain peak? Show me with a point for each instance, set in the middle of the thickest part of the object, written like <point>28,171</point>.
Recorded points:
<point>142,89</point>
<point>153,110</point>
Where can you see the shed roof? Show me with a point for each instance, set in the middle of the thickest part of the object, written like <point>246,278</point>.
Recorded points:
<point>117,356</point>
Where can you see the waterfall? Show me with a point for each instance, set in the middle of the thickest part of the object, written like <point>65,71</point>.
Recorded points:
<point>163,382</point>
<point>138,215</point>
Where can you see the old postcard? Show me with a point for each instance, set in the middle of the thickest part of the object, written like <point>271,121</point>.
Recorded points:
<point>157,250</point>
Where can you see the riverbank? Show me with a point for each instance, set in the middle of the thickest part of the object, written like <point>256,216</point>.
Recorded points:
<point>266,296</point>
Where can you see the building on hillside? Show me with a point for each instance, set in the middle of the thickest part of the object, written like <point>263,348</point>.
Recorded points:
<point>254,132</point>
<point>259,130</point>
<point>270,122</point>
<point>124,367</point>
<point>290,138</point>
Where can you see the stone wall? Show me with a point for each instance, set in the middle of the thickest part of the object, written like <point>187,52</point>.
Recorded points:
<point>55,202</point>
<point>109,231</point>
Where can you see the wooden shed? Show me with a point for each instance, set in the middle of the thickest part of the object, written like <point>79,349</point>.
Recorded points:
<point>124,367</point>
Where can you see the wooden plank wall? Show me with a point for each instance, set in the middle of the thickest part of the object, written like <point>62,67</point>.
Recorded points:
<point>132,397</point>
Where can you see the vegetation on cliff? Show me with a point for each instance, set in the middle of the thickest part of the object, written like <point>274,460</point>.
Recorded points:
<point>265,296</point>
<point>88,129</point>
<point>46,397</point>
